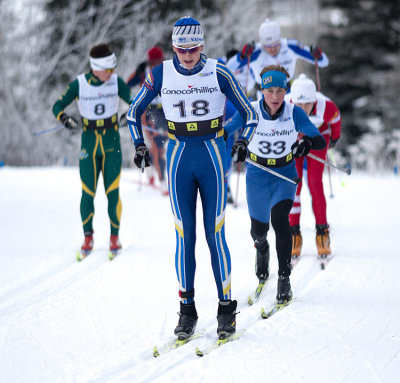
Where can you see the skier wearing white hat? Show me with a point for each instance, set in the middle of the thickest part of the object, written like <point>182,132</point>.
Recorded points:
<point>272,49</point>
<point>325,115</point>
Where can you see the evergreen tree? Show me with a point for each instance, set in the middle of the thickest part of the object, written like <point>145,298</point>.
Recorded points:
<point>362,40</point>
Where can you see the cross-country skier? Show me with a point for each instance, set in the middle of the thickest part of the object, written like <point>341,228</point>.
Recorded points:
<point>325,115</point>
<point>153,121</point>
<point>272,49</point>
<point>274,146</point>
<point>97,93</point>
<point>193,89</point>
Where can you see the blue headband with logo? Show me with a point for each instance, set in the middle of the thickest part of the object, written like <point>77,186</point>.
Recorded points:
<point>273,78</point>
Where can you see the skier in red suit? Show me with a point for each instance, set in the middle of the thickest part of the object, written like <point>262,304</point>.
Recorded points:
<point>325,115</point>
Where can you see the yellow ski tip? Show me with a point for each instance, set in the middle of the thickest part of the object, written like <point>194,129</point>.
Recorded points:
<point>199,352</point>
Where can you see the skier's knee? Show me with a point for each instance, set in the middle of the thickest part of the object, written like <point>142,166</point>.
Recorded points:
<point>258,232</point>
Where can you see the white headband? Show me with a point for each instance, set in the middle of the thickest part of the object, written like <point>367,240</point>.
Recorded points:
<point>103,63</point>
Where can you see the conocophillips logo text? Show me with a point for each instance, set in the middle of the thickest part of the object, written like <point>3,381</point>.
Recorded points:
<point>99,97</point>
<point>273,133</point>
<point>191,90</point>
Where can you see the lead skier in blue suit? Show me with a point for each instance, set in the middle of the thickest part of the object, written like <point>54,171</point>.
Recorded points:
<point>193,90</point>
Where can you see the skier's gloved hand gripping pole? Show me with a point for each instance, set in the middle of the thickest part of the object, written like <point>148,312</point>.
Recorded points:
<point>66,121</point>
<point>302,147</point>
<point>142,157</point>
<point>239,150</point>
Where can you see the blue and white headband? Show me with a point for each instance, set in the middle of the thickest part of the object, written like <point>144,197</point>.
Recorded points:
<point>273,78</point>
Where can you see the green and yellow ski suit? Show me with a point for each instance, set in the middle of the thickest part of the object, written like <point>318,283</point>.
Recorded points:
<point>100,145</point>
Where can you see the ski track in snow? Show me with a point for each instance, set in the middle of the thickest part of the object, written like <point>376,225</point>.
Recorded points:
<point>98,321</point>
<point>51,283</point>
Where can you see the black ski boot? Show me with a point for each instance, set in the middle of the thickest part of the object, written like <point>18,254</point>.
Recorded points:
<point>262,260</point>
<point>226,318</point>
<point>187,321</point>
<point>284,293</point>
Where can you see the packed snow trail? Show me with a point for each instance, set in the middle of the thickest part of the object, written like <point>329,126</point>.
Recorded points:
<point>98,321</point>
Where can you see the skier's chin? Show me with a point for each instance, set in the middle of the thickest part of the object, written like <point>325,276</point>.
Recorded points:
<point>188,64</point>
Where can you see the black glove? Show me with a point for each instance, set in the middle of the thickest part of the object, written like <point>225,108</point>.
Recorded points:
<point>239,150</point>
<point>142,156</point>
<point>332,143</point>
<point>301,148</point>
<point>122,120</point>
<point>68,121</point>
<point>316,52</point>
<point>247,50</point>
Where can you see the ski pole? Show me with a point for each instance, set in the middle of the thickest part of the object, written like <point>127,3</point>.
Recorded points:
<point>330,182</point>
<point>235,203</point>
<point>319,89</point>
<point>142,166</point>
<point>239,166</point>
<point>346,170</point>
<point>47,130</point>
<point>333,161</point>
<point>295,181</point>
<point>247,74</point>
<point>317,75</point>
<point>158,131</point>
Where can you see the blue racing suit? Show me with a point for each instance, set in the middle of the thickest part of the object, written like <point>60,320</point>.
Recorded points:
<point>193,102</point>
<point>268,196</point>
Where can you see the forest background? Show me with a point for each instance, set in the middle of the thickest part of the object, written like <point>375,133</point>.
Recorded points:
<point>44,44</point>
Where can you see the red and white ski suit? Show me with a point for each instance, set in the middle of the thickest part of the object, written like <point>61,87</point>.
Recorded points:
<point>325,116</point>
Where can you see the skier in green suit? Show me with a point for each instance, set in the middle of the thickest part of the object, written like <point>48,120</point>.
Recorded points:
<point>97,94</point>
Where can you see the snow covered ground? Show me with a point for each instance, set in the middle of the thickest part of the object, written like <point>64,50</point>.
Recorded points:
<point>98,321</point>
